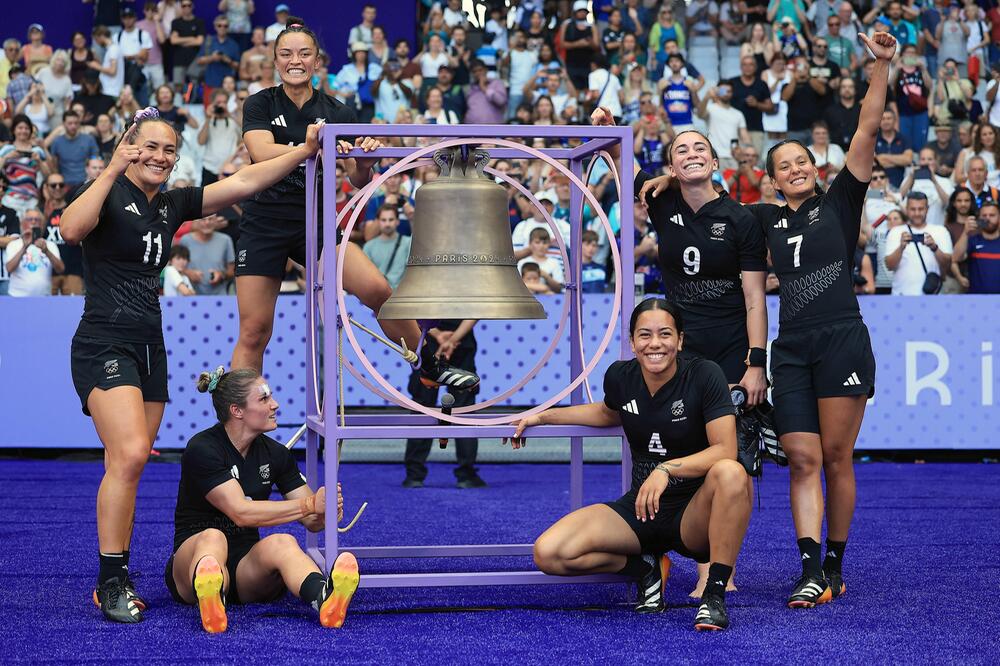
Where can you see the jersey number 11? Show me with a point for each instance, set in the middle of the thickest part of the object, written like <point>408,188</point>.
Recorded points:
<point>149,239</point>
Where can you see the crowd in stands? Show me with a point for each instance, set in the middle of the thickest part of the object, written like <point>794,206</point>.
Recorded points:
<point>749,73</point>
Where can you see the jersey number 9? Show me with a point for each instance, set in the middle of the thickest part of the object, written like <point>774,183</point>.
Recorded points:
<point>692,260</point>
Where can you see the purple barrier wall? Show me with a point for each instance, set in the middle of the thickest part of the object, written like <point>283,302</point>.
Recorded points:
<point>935,367</point>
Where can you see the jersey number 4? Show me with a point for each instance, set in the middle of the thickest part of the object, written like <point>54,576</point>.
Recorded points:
<point>149,239</point>
<point>797,242</point>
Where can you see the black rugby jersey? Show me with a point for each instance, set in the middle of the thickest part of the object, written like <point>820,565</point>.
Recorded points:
<point>812,250</point>
<point>123,256</point>
<point>271,110</point>
<point>671,423</point>
<point>701,255</point>
<point>210,460</point>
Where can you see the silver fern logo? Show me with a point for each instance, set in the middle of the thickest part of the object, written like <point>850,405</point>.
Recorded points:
<point>799,293</point>
<point>677,408</point>
<point>703,290</point>
<point>718,229</point>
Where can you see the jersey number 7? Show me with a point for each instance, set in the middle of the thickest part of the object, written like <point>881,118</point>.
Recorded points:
<point>797,242</point>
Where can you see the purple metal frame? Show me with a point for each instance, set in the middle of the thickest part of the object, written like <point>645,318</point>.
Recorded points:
<point>401,426</point>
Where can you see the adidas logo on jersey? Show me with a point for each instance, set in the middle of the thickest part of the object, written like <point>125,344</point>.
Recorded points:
<point>782,223</point>
<point>632,407</point>
<point>280,121</point>
<point>853,380</point>
<point>677,219</point>
<point>132,208</point>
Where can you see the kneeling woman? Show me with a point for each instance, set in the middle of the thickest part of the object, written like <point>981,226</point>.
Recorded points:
<point>688,492</point>
<point>227,473</point>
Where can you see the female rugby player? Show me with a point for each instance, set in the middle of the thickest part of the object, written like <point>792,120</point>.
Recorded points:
<point>227,473</point>
<point>688,492</point>
<point>119,363</point>
<point>273,226</point>
<point>714,266</point>
<point>822,363</point>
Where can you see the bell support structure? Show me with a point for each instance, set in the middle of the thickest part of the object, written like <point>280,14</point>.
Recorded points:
<point>323,421</point>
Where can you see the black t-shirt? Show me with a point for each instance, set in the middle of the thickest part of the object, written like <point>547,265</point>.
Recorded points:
<point>671,423</point>
<point>758,90</point>
<point>193,27</point>
<point>10,224</point>
<point>578,58</point>
<point>611,36</point>
<point>94,105</point>
<point>271,110</point>
<point>701,255</point>
<point>813,254</point>
<point>71,255</point>
<point>210,460</point>
<point>843,122</point>
<point>123,257</point>
<point>805,107</point>
<point>828,70</point>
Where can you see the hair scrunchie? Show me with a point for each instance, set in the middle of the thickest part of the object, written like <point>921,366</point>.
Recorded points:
<point>143,114</point>
<point>215,377</point>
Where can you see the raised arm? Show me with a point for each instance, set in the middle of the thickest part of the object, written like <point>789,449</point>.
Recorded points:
<point>259,176</point>
<point>861,154</point>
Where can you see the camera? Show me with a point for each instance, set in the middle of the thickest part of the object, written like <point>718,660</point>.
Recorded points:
<point>918,238</point>
<point>219,110</point>
<point>859,279</point>
<point>981,223</point>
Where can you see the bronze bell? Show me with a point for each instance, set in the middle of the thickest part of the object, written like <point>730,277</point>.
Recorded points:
<point>461,263</point>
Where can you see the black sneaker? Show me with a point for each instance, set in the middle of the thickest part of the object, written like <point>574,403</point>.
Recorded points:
<point>650,598</point>
<point>413,483</point>
<point>133,595</point>
<point>116,604</point>
<point>836,582</point>
<point>472,482</point>
<point>748,444</point>
<point>809,591</point>
<point>711,615</point>
<point>769,438</point>
<point>435,372</point>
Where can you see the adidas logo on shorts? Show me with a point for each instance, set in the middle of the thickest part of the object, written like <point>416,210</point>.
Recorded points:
<point>853,380</point>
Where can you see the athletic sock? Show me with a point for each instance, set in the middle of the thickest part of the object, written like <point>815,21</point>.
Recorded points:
<point>313,589</point>
<point>809,549</point>
<point>637,566</point>
<point>832,563</point>
<point>113,565</point>
<point>718,577</point>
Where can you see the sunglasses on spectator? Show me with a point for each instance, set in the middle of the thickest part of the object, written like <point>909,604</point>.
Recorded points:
<point>221,25</point>
<point>32,218</point>
<point>56,184</point>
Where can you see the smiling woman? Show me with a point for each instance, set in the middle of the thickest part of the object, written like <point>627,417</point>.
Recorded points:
<point>679,420</point>
<point>227,476</point>
<point>119,363</point>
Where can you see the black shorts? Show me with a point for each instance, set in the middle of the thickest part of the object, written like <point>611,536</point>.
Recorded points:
<point>237,551</point>
<point>826,362</point>
<point>661,534</point>
<point>266,244</point>
<point>726,344</point>
<point>105,364</point>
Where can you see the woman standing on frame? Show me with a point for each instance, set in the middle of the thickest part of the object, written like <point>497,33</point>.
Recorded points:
<point>119,362</point>
<point>273,228</point>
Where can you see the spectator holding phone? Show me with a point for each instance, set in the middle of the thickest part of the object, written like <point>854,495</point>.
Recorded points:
<point>924,178</point>
<point>916,249</point>
<point>979,243</point>
<point>31,259</point>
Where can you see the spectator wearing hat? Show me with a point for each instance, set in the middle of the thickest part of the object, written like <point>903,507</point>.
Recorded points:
<point>281,13</point>
<point>363,31</point>
<point>486,99</point>
<point>355,80</point>
<point>35,54</point>
<point>391,94</point>
<point>580,40</point>
<point>946,149</point>
<point>187,36</point>
<point>453,97</point>
<point>135,44</point>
